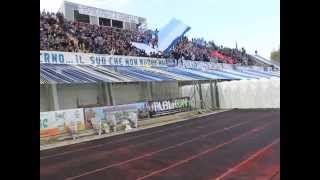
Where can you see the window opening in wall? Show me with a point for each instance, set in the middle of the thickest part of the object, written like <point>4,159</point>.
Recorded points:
<point>117,24</point>
<point>81,17</point>
<point>104,22</point>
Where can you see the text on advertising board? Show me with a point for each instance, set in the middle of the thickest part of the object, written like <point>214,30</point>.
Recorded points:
<point>169,106</point>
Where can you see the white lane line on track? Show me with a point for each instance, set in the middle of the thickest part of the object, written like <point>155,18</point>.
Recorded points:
<point>129,138</point>
<point>148,141</point>
<point>121,140</point>
<point>155,152</point>
<point>276,174</point>
<point>137,129</point>
<point>256,154</point>
<point>209,150</point>
<point>107,143</point>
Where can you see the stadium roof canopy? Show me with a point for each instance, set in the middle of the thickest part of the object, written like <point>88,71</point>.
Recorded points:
<point>75,74</point>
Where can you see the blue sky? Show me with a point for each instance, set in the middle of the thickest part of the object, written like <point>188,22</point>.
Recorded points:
<point>254,24</point>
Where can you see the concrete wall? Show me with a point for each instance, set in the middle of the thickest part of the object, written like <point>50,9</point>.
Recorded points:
<point>69,11</point>
<point>165,90</point>
<point>126,93</point>
<point>89,94</point>
<point>236,94</point>
<point>94,20</point>
<point>68,95</point>
<point>122,93</point>
<point>44,98</point>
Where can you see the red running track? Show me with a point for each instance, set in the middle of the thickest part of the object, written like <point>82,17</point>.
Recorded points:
<point>201,148</point>
<point>263,164</point>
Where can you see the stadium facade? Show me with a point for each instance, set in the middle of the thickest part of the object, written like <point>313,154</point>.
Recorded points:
<point>78,12</point>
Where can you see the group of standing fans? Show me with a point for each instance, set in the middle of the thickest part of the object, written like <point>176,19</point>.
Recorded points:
<point>58,34</point>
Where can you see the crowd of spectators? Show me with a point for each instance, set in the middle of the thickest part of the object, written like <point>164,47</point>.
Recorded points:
<point>239,56</point>
<point>189,50</point>
<point>56,33</point>
<point>198,49</point>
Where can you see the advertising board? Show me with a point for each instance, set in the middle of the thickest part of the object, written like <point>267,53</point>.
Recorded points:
<point>170,106</point>
<point>56,122</point>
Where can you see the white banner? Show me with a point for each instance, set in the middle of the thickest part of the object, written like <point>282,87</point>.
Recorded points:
<point>199,65</point>
<point>228,66</point>
<point>258,68</point>
<point>57,57</point>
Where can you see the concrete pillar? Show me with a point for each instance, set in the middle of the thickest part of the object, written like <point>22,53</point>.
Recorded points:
<point>216,94</point>
<point>54,99</point>
<point>149,90</point>
<point>102,93</point>
<point>200,95</point>
<point>45,97</point>
<point>195,93</point>
<point>108,90</point>
<point>213,103</point>
<point>94,20</point>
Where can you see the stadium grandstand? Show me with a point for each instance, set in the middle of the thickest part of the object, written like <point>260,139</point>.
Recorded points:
<point>104,73</point>
<point>76,32</point>
<point>84,51</point>
<point>94,58</point>
<point>87,50</point>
